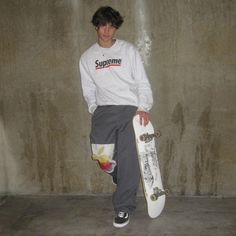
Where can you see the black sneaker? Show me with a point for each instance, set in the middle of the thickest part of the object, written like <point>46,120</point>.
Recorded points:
<point>121,220</point>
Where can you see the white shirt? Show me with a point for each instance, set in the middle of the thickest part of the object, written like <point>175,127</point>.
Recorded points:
<point>114,76</point>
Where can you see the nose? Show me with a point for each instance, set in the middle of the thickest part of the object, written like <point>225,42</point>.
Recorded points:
<point>107,28</point>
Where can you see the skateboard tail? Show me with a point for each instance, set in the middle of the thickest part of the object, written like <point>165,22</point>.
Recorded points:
<point>155,210</point>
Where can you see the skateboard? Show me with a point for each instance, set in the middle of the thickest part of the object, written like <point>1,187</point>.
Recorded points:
<point>149,167</point>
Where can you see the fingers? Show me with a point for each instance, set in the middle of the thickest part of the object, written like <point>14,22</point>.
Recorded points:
<point>143,118</point>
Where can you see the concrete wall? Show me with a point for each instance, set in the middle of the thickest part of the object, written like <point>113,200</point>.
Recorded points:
<point>188,47</point>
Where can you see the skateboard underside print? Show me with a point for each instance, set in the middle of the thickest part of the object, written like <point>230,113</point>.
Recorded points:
<point>149,167</point>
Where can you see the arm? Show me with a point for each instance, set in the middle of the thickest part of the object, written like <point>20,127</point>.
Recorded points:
<point>143,88</point>
<point>88,86</point>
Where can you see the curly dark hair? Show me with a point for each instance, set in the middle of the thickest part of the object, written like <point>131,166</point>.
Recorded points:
<point>106,15</point>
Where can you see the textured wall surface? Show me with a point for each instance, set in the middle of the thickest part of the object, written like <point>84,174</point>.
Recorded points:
<point>188,47</point>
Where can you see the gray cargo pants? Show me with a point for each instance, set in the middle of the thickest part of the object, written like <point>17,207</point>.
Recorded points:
<point>113,146</point>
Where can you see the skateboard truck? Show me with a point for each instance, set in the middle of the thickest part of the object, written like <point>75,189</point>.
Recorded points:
<point>157,193</point>
<point>148,137</point>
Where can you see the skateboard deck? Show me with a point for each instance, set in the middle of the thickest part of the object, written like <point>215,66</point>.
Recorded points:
<point>149,167</point>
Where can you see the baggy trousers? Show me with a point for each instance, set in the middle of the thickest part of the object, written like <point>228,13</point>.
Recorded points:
<point>113,146</point>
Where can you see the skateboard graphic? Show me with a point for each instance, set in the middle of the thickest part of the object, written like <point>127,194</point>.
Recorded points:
<point>149,167</point>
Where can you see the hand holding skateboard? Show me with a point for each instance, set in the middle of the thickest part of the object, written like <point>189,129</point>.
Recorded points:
<point>143,117</point>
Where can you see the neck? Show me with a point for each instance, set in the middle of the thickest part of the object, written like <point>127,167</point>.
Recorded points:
<point>106,44</point>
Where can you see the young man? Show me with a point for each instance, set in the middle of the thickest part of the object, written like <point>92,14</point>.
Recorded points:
<point>116,88</point>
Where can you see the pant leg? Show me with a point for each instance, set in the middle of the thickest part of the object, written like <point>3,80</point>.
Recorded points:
<point>113,146</point>
<point>128,172</point>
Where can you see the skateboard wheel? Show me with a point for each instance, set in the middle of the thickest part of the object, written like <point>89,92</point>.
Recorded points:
<point>154,197</point>
<point>158,134</point>
<point>167,192</point>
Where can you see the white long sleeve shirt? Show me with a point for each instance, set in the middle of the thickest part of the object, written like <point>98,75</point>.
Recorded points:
<point>114,76</point>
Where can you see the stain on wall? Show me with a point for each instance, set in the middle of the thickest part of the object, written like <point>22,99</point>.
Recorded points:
<point>207,156</point>
<point>3,169</point>
<point>168,162</point>
<point>178,119</point>
<point>45,147</point>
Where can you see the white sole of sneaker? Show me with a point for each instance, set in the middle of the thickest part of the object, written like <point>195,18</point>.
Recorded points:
<point>120,225</point>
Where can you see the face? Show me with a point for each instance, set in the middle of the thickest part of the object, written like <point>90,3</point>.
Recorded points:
<point>106,34</point>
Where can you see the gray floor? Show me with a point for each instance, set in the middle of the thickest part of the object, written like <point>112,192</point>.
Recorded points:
<point>83,215</point>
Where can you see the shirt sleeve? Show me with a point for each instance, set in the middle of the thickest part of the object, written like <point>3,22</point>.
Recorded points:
<point>88,86</point>
<point>142,83</point>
